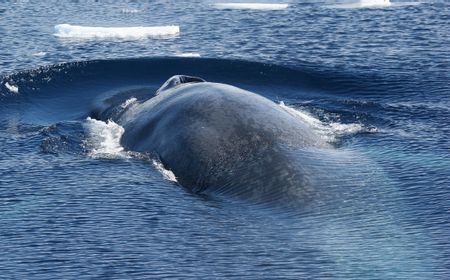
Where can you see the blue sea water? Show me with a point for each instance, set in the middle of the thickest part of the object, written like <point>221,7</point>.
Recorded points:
<point>372,81</point>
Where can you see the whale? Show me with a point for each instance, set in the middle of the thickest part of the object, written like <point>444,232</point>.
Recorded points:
<point>219,139</point>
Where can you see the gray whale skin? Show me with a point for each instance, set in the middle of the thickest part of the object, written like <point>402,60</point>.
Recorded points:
<point>220,139</point>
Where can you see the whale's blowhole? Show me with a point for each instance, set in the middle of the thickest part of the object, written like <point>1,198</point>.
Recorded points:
<point>178,80</point>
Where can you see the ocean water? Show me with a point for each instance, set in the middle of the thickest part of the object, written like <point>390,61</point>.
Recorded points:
<point>369,77</point>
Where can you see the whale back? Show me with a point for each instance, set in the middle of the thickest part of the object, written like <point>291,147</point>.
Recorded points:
<point>219,138</point>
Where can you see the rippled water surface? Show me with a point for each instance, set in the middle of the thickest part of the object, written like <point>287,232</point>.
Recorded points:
<point>371,80</point>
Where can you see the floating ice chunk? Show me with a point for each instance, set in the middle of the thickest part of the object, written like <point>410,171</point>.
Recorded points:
<point>374,3</point>
<point>12,88</point>
<point>364,4</point>
<point>139,32</point>
<point>188,55</point>
<point>250,6</point>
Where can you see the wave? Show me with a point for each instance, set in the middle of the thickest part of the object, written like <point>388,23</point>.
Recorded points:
<point>89,32</point>
<point>112,73</point>
<point>72,91</point>
<point>250,6</point>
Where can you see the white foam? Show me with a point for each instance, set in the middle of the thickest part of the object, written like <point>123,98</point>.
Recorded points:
<point>250,6</point>
<point>139,32</point>
<point>328,131</point>
<point>188,55</point>
<point>40,54</point>
<point>347,128</point>
<point>12,88</point>
<point>104,139</point>
<point>167,174</point>
<point>128,102</point>
<point>130,11</point>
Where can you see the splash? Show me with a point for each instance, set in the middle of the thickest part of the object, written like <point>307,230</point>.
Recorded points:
<point>330,132</point>
<point>250,6</point>
<point>12,88</point>
<point>167,174</point>
<point>89,32</point>
<point>129,102</point>
<point>103,139</point>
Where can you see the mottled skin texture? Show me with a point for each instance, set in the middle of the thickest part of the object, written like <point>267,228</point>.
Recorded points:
<point>217,138</point>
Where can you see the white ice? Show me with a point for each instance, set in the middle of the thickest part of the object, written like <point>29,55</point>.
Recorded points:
<point>89,32</point>
<point>251,6</point>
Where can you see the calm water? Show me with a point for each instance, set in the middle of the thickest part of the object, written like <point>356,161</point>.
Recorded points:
<point>373,82</point>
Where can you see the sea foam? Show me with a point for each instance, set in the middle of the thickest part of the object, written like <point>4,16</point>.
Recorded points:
<point>127,103</point>
<point>250,6</point>
<point>103,139</point>
<point>89,32</point>
<point>167,174</point>
<point>12,88</point>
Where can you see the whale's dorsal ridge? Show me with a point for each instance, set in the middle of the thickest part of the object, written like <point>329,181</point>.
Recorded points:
<point>178,80</point>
